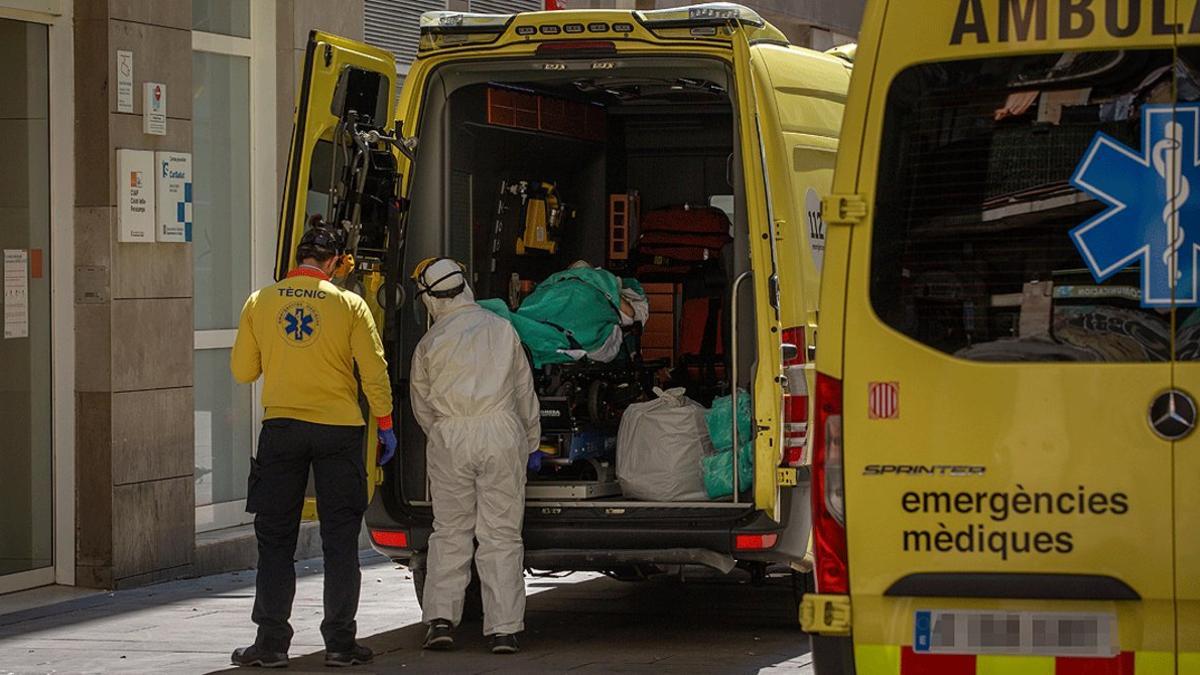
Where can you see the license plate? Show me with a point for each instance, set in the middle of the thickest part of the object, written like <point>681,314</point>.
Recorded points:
<point>1040,633</point>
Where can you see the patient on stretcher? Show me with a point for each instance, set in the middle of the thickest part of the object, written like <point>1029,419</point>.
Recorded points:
<point>581,312</point>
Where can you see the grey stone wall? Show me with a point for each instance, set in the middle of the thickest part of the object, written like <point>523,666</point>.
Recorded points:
<point>135,450</point>
<point>134,447</point>
<point>842,16</point>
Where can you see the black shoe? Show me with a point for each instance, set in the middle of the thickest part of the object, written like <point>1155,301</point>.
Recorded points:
<point>355,657</point>
<point>257,656</point>
<point>503,643</point>
<point>440,635</point>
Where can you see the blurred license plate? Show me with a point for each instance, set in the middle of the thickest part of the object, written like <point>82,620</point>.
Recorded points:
<point>1042,633</point>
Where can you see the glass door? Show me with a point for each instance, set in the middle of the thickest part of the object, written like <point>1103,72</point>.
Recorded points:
<point>235,202</point>
<point>222,248</point>
<point>26,484</point>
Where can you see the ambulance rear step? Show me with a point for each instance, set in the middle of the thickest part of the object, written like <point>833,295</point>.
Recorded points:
<point>584,489</point>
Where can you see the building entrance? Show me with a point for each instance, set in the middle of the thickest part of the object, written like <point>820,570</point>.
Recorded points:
<point>26,449</point>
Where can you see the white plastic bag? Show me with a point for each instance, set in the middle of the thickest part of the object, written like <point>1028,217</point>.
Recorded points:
<point>659,447</point>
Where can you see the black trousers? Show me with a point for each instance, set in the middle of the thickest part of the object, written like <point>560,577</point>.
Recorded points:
<point>278,478</point>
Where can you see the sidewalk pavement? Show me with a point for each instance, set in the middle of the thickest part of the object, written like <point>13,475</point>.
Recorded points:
<point>582,622</point>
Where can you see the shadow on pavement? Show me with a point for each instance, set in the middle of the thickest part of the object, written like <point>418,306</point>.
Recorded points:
<point>601,625</point>
<point>104,605</point>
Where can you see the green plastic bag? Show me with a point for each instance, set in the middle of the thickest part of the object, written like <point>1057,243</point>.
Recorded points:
<point>720,423</point>
<point>718,471</point>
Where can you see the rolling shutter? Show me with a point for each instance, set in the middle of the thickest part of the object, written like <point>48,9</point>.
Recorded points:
<point>506,6</point>
<point>394,25</point>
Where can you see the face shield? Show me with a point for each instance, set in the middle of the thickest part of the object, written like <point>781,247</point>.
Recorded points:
<point>441,284</point>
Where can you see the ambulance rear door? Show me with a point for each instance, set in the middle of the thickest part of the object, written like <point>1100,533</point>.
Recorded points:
<point>760,286</point>
<point>1174,412</point>
<point>1007,505</point>
<point>801,97</point>
<point>346,165</point>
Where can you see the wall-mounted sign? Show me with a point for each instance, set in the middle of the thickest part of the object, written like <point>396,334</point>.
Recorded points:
<point>91,285</point>
<point>154,108</point>
<point>173,196</point>
<point>124,81</point>
<point>16,293</point>
<point>135,196</point>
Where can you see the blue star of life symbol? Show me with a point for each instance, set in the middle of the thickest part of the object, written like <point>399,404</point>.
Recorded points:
<point>1151,206</point>
<point>299,324</point>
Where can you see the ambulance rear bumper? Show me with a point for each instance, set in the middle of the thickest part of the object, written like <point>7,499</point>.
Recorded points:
<point>707,537</point>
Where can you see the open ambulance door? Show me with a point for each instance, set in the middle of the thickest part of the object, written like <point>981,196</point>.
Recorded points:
<point>764,379</point>
<point>800,103</point>
<point>344,165</point>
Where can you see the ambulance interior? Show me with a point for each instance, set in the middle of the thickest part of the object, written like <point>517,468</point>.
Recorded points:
<point>973,252</point>
<point>505,151</point>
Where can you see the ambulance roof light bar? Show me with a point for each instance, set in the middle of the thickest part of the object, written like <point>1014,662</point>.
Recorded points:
<point>448,23</point>
<point>699,16</point>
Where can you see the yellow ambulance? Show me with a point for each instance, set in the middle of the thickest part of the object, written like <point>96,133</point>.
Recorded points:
<point>596,116</point>
<point>1005,475</point>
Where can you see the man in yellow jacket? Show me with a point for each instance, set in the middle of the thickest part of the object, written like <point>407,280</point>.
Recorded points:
<point>305,336</point>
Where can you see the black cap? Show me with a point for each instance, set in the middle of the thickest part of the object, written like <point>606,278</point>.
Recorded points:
<point>321,240</point>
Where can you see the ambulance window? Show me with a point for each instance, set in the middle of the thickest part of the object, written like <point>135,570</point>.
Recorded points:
<point>321,169</point>
<point>972,251</point>
<point>361,92</point>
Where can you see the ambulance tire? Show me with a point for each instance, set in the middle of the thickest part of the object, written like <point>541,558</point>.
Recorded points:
<point>472,603</point>
<point>832,655</point>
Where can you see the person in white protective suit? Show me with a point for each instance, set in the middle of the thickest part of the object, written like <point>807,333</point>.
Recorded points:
<point>472,393</point>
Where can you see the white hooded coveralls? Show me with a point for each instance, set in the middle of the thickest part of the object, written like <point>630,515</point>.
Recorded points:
<point>472,393</point>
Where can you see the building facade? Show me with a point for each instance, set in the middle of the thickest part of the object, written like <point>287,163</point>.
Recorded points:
<point>816,24</point>
<point>127,443</point>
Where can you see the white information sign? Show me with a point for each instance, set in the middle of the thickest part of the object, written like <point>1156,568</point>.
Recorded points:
<point>135,196</point>
<point>124,81</point>
<point>173,196</point>
<point>154,108</point>
<point>16,293</point>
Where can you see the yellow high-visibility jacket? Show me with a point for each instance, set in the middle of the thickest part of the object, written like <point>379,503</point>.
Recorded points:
<point>305,335</point>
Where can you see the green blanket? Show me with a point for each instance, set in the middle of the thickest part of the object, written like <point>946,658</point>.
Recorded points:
<point>572,309</point>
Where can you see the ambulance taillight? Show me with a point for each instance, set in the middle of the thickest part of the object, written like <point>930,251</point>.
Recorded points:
<point>828,490</point>
<point>390,538</point>
<point>795,400</point>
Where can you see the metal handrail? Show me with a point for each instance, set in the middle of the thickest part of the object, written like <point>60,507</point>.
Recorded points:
<point>733,378</point>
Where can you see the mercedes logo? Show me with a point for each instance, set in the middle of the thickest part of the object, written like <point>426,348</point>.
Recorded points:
<point>1173,415</point>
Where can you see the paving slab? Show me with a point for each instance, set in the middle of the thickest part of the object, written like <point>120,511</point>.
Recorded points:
<point>582,622</point>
